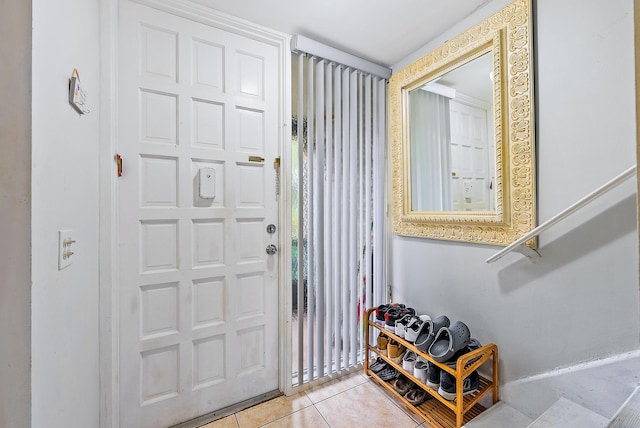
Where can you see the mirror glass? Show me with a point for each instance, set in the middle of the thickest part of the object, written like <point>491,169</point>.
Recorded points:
<point>462,135</point>
<point>451,140</point>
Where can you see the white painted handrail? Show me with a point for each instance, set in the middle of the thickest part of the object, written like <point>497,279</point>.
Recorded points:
<point>520,246</point>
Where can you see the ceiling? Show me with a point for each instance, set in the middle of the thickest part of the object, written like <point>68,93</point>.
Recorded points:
<point>473,79</point>
<point>380,31</point>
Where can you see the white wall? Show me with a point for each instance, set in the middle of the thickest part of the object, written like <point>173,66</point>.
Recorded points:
<point>580,301</point>
<point>65,196</point>
<point>15,214</point>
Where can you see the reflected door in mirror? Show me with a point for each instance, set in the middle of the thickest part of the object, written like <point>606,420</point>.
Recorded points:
<point>472,158</point>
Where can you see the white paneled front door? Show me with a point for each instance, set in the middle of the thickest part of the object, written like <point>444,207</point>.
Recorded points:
<point>197,293</point>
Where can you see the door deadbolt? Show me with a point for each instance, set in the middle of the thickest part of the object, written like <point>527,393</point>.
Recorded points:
<point>271,249</point>
<point>271,229</point>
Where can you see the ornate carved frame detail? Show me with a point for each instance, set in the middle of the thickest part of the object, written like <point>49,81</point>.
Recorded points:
<point>508,35</point>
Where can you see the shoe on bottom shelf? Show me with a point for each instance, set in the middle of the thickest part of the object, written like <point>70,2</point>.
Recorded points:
<point>402,385</point>
<point>378,365</point>
<point>416,396</point>
<point>447,389</point>
<point>387,374</point>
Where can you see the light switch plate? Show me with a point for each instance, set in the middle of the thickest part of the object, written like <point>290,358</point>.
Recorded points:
<point>65,248</point>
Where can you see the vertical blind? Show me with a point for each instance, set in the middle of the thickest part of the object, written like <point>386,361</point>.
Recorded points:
<point>339,135</point>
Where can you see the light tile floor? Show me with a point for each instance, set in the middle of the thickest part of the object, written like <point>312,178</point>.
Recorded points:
<point>351,401</point>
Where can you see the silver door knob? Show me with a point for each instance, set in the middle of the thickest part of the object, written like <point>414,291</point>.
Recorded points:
<point>271,249</point>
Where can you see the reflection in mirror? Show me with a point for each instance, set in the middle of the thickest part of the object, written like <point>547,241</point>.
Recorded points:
<point>451,140</point>
<point>462,146</point>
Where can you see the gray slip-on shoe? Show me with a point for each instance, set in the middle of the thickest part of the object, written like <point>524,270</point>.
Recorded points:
<point>448,341</point>
<point>429,331</point>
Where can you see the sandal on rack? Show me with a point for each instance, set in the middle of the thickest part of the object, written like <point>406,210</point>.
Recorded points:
<point>472,346</point>
<point>402,385</point>
<point>378,365</point>
<point>415,326</point>
<point>429,331</point>
<point>449,340</point>
<point>416,396</point>
<point>401,325</point>
<point>387,374</point>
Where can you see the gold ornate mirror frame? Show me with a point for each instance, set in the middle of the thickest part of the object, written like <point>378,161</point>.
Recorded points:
<point>508,36</point>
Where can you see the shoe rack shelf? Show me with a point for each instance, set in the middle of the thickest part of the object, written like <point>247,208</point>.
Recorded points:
<point>438,411</point>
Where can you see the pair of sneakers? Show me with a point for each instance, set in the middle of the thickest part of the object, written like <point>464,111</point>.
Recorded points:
<point>445,383</point>
<point>390,348</point>
<point>383,343</point>
<point>412,363</point>
<point>428,331</point>
<point>394,315</point>
<point>413,326</point>
<point>383,370</point>
<point>395,351</point>
<point>381,312</point>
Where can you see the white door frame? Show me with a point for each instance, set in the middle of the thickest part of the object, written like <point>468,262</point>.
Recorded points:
<point>108,307</point>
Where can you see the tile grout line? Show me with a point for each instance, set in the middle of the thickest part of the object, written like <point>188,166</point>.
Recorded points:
<point>337,393</point>
<point>397,403</point>
<point>331,396</point>
<point>418,424</point>
<point>288,414</point>
<point>313,404</point>
<point>292,413</point>
<point>322,416</point>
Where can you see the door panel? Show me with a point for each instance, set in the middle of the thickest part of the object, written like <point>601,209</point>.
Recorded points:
<point>470,181</point>
<point>197,292</point>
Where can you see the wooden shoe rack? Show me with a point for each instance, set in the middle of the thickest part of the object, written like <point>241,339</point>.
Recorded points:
<point>437,411</point>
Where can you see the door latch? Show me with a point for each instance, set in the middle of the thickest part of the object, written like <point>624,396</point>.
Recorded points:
<point>119,164</point>
<point>271,249</point>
